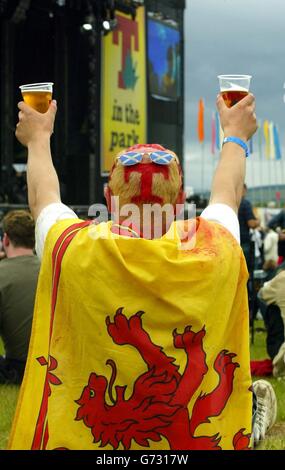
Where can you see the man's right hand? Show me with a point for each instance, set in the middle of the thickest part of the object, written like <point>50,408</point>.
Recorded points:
<point>239,120</point>
<point>34,126</point>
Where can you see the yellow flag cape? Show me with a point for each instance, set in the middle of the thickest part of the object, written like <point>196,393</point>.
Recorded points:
<point>137,343</point>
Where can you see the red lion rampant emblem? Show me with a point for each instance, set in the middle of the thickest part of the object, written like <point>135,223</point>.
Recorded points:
<point>158,406</point>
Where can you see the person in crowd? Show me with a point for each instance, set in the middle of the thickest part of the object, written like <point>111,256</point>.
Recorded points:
<point>114,359</point>
<point>278,223</point>
<point>269,212</point>
<point>256,237</point>
<point>273,295</point>
<point>18,280</point>
<point>247,221</point>
<point>270,250</point>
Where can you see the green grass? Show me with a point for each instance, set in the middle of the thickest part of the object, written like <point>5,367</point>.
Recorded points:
<point>274,441</point>
<point>8,401</point>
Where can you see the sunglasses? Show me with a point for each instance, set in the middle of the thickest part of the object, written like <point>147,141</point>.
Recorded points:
<point>159,157</point>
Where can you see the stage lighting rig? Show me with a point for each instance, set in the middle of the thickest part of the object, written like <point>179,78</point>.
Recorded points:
<point>104,12</point>
<point>109,20</point>
<point>88,23</point>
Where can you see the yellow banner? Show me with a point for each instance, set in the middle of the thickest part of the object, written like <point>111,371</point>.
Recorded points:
<point>123,87</point>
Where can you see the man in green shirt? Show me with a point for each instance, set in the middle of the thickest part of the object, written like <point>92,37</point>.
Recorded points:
<point>18,280</point>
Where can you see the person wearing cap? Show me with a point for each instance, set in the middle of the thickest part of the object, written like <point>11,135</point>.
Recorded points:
<point>141,323</point>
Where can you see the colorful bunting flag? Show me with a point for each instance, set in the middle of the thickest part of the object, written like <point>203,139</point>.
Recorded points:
<point>271,139</point>
<point>267,129</point>
<point>201,131</point>
<point>278,154</point>
<point>266,132</point>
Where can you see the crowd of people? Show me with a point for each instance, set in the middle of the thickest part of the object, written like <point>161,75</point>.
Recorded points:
<point>263,246</point>
<point>262,237</point>
<point>173,273</point>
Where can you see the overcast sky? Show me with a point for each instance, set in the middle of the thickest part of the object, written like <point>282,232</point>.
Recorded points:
<point>233,37</point>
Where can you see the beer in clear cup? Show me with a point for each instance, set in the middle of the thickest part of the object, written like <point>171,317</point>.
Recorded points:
<point>234,88</point>
<point>37,95</point>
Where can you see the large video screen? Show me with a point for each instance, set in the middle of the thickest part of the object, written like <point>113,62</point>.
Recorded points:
<point>164,60</point>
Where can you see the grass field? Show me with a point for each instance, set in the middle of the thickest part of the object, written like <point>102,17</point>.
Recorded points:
<point>275,439</point>
<point>8,401</point>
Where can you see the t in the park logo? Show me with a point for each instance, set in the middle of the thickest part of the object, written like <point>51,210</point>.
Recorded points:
<point>129,29</point>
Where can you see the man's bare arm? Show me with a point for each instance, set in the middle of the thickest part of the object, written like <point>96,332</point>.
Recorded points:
<point>238,121</point>
<point>34,131</point>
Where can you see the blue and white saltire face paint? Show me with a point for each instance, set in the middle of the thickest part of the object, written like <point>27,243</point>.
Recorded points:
<point>158,157</point>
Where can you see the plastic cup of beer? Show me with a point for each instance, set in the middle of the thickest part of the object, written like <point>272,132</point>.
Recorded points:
<point>234,88</point>
<point>37,95</point>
